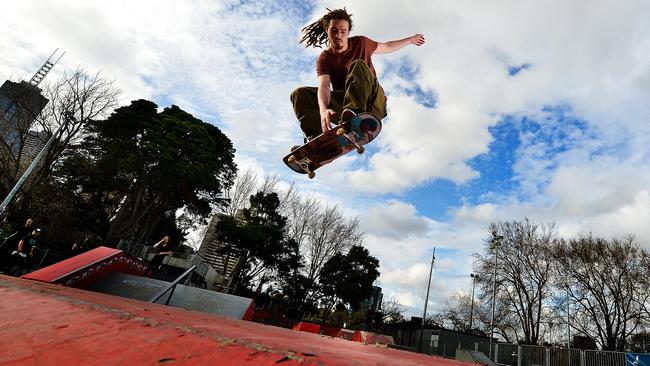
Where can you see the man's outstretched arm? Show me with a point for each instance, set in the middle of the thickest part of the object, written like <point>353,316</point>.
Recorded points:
<point>392,46</point>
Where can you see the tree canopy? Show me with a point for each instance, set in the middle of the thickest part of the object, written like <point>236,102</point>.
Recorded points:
<point>257,235</point>
<point>138,167</point>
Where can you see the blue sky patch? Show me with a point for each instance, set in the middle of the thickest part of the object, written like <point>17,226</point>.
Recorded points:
<point>514,70</point>
<point>518,142</point>
<point>434,199</point>
<point>406,70</point>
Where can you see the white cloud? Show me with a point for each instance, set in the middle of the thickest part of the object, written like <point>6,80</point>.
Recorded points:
<point>395,220</point>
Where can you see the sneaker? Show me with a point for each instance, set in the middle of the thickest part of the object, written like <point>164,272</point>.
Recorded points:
<point>347,115</point>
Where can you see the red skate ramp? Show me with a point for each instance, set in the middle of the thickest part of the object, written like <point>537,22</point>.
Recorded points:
<point>46,324</point>
<point>86,268</point>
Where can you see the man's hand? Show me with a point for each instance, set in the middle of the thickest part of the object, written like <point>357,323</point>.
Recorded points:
<point>326,120</point>
<point>417,39</point>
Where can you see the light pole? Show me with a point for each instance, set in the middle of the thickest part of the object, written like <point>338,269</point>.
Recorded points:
<point>496,240</point>
<point>424,316</point>
<point>471,311</point>
<point>568,318</point>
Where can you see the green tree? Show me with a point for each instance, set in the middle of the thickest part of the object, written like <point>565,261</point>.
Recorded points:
<point>349,277</point>
<point>257,236</point>
<point>583,342</point>
<point>296,287</point>
<point>135,170</point>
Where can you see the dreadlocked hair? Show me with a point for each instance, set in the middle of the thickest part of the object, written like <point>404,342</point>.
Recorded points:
<point>315,34</point>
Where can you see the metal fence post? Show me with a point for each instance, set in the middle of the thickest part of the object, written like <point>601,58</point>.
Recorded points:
<point>582,357</point>
<point>518,355</point>
<point>547,357</point>
<point>496,353</point>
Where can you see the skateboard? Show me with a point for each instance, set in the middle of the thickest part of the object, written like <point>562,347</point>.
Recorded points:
<point>328,146</point>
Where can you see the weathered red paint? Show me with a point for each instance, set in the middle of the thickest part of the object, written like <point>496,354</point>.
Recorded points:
<point>46,324</point>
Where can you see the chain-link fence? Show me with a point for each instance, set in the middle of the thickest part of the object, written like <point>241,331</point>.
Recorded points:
<point>505,354</point>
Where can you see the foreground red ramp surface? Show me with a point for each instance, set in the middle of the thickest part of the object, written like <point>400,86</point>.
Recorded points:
<point>46,324</point>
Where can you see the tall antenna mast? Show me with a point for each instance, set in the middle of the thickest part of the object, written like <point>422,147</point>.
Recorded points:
<point>45,69</point>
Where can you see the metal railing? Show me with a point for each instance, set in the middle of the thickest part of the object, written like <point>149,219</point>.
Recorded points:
<point>172,286</point>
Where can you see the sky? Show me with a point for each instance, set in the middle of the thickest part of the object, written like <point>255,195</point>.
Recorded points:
<point>511,109</point>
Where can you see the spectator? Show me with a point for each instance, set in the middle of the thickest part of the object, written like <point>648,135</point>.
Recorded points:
<point>24,253</point>
<point>10,244</point>
<point>163,249</point>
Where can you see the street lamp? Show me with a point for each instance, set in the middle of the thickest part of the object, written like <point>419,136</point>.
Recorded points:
<point>471,311</point>
<point>494,245</point>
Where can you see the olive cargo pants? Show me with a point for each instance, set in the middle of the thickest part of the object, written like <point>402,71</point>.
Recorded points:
<point>362,94</point>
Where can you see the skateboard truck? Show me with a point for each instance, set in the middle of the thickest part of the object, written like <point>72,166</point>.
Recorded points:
<point>304,166</point>
<point>341,132</point>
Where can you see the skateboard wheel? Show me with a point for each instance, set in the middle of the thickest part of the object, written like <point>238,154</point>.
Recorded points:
<point>291,159</point>
<point>311,175</point>
<point>340,132</point>
<point>361,149</point>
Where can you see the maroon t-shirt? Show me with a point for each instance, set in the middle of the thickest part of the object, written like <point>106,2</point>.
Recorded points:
<point>337,65</point>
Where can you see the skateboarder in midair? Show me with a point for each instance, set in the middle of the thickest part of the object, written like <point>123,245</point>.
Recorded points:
<point>346,65</point>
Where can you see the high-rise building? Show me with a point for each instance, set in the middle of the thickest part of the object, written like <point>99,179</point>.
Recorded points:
<point>34,143</point>
<point>20,104</point>
<point>210,250</point>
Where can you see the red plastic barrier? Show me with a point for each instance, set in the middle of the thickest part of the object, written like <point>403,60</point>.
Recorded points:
<point>307,327</point>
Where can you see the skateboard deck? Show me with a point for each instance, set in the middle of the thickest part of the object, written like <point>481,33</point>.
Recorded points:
<point>328,146</point>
